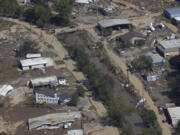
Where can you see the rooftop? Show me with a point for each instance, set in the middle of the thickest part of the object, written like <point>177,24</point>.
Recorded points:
<point>130,35</point>
<point>174,112</point>
<point>62,96</point>
<point>155,57</point>
<point>36,61</point>
<point>174,10</point>
<point>44,80</point>
<point>53,119</point>
<point>113,22</point>
<point>177,18</point>
<point>170,43</point>
<point>75,132</point>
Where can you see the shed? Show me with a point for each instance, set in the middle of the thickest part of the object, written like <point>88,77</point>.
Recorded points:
<point>106,23</point>
<point>169,47</point>
<point>34,63</point>
<point>156,58</point>
<point>172,12</point>
<point>54,120</point>
<point>43,81</point>
<point>75,132</point>
<point>33,55</point>
<point>133,37</point>
<point>5,89</point>
<point>174,115</point>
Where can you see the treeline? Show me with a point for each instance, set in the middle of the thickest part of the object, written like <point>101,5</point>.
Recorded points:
<point>102,85</point>
<point>40,14</point>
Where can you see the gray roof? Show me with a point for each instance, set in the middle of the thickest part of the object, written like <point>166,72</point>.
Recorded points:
<point>155,57</point>
<point>112,22</point>
<point>170,44</point>
<point>174,12</point>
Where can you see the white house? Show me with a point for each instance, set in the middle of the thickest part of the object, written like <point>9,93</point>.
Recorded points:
<point>36,63</point>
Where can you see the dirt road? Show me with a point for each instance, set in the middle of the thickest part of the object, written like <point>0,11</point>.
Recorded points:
<point>119,62</point>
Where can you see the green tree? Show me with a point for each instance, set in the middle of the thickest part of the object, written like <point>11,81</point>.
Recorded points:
<point>80,91</point>
<point>38,15</point>
<point>142,63</point>
<point>124,45</point>
<point>28,47</point>
<point>74,99</point>
<point>150,131</point>
<point>3,133</point>
<point>64,9</point>
<point>174,84</point>
<point>10,8</point>
<point>115,113</point>
<point>149,117</point>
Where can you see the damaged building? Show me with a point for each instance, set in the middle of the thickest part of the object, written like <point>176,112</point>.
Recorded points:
<point>51,98</point>
<point>54,120</point>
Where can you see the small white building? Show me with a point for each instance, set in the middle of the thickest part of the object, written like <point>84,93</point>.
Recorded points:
<point>33,55</point>
<point>36,63</point>
<point>43,81</point>
<point>5,89</point>
<point>62,81</point>
<point>75,132</point>
<point>174,115</point>
<point>83,1</point>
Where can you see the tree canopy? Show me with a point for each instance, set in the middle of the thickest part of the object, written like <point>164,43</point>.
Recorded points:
<point>64,9</point>
<point>28,47</point>
<point>142,63</point>
<point>38,15</point>
<point>149,117</point>
<point>174,84</point>
<point>9,8</point>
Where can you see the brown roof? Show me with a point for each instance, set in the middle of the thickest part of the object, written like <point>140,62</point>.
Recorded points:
<point>130,35</point>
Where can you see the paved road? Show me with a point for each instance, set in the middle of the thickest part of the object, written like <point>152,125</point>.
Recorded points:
<point>119,62</point>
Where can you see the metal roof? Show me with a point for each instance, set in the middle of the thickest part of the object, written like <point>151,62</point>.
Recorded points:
<point>170,43</point>
<point>174,12</point>
<point>44,81</point>
<point>53,119</point>
<point>177,18</point>
<point>36,61</point>
<point>113,22</point>
<point>75,132</point>
<point>174,113</point>
<point>33,55</point>
<point>155,57</point>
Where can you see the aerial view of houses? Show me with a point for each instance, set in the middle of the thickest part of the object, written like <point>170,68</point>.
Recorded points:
<point>89,67</point>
